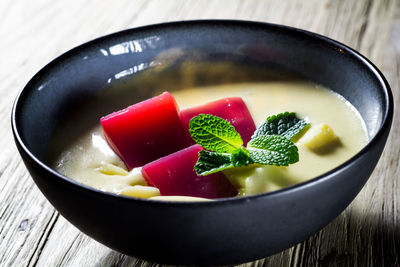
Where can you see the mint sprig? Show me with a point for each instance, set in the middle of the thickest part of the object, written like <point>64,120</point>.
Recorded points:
<point>270,144</point>
<point>286,124</point>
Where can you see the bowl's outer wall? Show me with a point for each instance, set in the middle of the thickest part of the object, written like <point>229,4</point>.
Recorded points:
<point>217,233</point>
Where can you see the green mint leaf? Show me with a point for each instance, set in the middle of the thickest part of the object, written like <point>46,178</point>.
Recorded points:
<point>214,133</point>
<point>273,150</point>
<point>212,162</point>
<point>286,124</point>
<point>241,157</point>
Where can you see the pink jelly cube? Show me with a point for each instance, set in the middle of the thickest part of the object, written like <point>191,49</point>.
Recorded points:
<point>145,131</point>
<point>232,109</point>
<point>173,175</point>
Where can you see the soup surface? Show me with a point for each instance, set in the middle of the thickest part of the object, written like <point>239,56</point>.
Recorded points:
<point>89,159</point>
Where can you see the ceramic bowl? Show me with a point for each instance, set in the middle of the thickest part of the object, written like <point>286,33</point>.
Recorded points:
<point>141,61</point>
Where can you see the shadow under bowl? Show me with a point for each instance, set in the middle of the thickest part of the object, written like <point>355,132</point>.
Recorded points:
<point>144,61</point>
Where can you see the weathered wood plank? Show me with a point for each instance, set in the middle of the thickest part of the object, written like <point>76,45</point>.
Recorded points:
<point>32,33</point>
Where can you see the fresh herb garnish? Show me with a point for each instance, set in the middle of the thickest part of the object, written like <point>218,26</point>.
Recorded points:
<point>285,124</point>
<point>271,144</point>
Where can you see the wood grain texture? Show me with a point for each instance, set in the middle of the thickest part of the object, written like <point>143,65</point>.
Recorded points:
<point>32,33</point>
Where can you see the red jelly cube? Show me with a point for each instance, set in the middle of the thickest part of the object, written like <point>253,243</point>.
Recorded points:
<point>145,131</point>
<point>232,109</point>
<point>173,175</point>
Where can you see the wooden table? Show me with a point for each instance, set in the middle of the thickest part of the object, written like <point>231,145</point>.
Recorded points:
<point>32,33</point>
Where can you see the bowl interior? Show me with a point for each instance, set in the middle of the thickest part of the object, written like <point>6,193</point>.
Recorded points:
<point>139,63</point>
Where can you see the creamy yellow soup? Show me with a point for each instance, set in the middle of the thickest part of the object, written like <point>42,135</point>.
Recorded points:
<point>89,160</point>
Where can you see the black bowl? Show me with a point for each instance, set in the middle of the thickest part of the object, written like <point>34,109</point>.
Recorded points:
<point>148,59</point>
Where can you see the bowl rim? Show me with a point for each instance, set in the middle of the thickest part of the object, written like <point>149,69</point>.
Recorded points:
<point>338,46</point>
